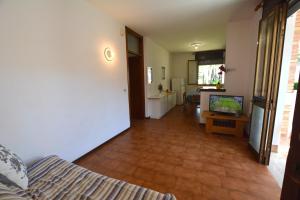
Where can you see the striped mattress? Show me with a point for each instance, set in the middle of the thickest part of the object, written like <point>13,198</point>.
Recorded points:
<point>54,178</point>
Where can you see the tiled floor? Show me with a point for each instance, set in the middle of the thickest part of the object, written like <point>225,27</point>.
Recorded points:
<point>278,160</point>
<point>277,167</point>
<point>175,155</point>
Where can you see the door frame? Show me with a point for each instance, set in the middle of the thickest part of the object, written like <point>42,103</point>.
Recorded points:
<point>259,101</point>
<point>269,103</point>
<point>141,61</point>
<point>276,81</point>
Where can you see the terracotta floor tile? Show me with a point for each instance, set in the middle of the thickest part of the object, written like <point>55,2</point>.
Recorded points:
<point>126,169</point>
<point>194,165</point>
<point>187,184</point>
<point>173,160</point>
<point>147,164</point>
<point>230,164</point>
<point>209,160</point>
<point>144,174</point>
<point>215,193</point>
<point>111,163</point>
<point>236,195</point>
<point>235,184</point>
<point>264,192</point>
<point>214,169</point>
<point>208,179</point>
<point>133,180</point>
<point>155,157</point>
<point>164,179</point>
<point>175,155</point>
<point>192,157</point>
<point>185,173</point>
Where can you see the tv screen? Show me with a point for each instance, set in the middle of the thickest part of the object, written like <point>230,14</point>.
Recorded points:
<point>226,104</point>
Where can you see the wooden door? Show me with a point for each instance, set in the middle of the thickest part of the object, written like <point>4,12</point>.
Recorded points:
<point>136,84</point>
<point>268,68</point>
<point>291,182</point>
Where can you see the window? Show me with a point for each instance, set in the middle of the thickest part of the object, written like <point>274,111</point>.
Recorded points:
<point>149,75</point>
<point>210,74</point>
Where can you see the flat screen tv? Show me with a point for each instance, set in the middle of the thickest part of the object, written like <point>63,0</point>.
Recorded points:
<point>226,104</point>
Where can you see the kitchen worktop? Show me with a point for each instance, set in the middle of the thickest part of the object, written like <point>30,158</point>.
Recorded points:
<point>161,95</point>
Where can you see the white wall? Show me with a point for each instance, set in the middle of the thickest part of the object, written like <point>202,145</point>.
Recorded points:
<point>179,62</point>
<point>179,68</point>
<point>241,45</point>
<point>58,95</point>
<point>155,56</point>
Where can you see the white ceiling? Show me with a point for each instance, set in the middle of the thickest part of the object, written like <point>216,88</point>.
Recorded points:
<point>175,24</point>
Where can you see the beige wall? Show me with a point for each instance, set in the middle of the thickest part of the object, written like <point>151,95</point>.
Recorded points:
<point>241,44</point>
<point>155,56</point>
<point>58,94</point>
<point>179,67</point>
<point>179,64</point>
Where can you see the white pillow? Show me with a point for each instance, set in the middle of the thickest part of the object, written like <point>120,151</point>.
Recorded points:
<point>13,168</point>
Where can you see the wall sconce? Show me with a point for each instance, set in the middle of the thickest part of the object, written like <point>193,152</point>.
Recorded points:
<point>108,54</point>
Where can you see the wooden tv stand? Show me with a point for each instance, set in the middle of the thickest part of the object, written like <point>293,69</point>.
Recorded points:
<point>225,124</point>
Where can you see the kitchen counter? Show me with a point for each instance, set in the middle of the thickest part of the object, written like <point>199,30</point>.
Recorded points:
<point>161,103</point>
<point>161,95</point>
<point>211,90</point>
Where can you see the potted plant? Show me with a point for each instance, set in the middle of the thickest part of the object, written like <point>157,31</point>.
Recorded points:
<point>222,70</point>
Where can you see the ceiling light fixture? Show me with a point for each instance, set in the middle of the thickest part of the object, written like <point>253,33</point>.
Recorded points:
<point>196,45</point>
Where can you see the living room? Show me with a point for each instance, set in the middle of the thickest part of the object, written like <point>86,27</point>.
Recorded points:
<point>91,82</point>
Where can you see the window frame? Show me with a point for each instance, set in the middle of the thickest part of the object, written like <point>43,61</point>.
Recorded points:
<point>194,84</point>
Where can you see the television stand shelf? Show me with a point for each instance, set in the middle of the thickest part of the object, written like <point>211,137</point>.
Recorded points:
<point>225,124</point>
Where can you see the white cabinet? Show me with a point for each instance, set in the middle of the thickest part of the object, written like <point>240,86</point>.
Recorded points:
<point>169,105</point>
<point>160,104</point>
<point>171,101</point>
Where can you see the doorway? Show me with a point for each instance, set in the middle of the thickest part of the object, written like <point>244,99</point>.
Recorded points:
<point>275,105</point>
<point>135,68</point>
<point>267,78</point>
<point>286,98</point>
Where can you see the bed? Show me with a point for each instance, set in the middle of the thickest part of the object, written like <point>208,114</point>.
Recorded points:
<point>55,178</point>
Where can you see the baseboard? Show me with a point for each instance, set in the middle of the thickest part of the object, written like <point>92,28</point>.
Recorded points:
<point>101,145</point>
